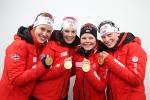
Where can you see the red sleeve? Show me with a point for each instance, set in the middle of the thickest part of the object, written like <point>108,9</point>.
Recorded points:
<point>134,70</point>
<point>97,79</point>
<point>30,75</point>
<point>16,64</point>
<point>57,68</point>
<point>55,71</point>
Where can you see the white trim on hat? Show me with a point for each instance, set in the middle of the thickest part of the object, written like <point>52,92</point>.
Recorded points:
<point>107,28</point>
<point>69,23</point>
<point>43,20</point>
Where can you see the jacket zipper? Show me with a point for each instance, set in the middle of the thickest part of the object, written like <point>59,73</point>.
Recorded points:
<point>83,87</point>
<point>65,77</point>
<point>111,93</point>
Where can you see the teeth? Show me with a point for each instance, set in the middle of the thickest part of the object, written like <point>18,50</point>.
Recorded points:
<point>88,44</point>
<point>69,38</point>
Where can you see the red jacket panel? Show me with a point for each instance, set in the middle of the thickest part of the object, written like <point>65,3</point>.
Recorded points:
<point>20,70</point>
<point>54,84</point>
<point>89,85</point>
<point>127,71</point>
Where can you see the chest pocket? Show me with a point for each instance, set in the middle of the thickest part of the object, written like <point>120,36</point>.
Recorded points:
<point>60,56</point>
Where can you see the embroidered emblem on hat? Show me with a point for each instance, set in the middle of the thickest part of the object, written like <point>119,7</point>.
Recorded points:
<point>69,22</point>
<point>104,31</point>
<point>108,28</point>
<point>43,20</point>
<point>135,59</point>
<point>87,31</point>
<point>15,57</point>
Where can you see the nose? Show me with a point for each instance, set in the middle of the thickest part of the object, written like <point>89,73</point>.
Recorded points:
<point>70,34</point>
<point>87,40</point>
<point>45,33</point>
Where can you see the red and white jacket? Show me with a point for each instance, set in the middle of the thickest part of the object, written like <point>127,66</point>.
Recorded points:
<point>126,65</point>
<point>89,85</point>
<point>54,84</point>
<point>21,67</point>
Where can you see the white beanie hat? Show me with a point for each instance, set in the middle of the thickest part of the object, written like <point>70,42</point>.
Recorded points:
<point>107,26</point>
<point>69,22</point>
<point>43,18</point>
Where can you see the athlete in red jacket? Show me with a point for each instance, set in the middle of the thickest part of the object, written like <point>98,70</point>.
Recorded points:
<point>54,84</point>
<point>126,61</point>
<point>22,61</point>
<point>91,77</point>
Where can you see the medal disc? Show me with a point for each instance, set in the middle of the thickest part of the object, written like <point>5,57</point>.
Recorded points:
<point>68,64</point>
<point>101,59</point>
<point>86,67</point>
<point>48,60</point>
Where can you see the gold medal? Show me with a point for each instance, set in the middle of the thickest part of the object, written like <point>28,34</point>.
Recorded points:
<point>48,60</point>
<point>86,65</point>
<point>101,59</point>
<point>68,64</point>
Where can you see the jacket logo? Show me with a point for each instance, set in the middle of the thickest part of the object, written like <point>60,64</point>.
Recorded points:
<point>79,64</point>
<point>118,62</point>
<point>65,53</point>
<point>135,59</point>
<point>15,57</point>
<point>34,59</point>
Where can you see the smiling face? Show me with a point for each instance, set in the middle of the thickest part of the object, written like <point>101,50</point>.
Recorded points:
<point>87,41</point>
<point>69,35</point>
<point>42,32</point>
<point>110,39</point>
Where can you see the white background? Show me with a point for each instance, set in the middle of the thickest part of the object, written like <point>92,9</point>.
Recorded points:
<point>129,15</point>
